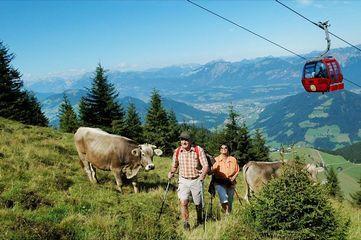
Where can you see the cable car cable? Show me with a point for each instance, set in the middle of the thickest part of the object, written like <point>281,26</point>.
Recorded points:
<point>316,24</point>
<point>352,82</point>
<point>244,28</point>
<point>266,39</point>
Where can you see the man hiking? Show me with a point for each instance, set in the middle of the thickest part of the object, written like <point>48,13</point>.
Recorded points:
<point>193,167</point>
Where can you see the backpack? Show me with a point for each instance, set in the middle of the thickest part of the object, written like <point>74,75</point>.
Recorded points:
<point>196,150</point>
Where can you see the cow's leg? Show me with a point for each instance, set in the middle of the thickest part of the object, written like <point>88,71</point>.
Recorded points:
<point>93,173</point>
<point>135,186</point>
<point>118,179</point>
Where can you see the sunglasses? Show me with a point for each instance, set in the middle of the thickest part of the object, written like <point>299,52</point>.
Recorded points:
<point>224,147</point>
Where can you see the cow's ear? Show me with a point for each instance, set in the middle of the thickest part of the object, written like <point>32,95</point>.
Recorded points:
<point>158,152</point>
<point>136,152</point>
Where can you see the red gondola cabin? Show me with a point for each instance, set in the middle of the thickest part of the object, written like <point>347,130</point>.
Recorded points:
<point>322,75</point>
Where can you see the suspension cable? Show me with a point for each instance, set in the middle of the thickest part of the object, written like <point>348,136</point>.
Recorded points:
<point>316,24</point>
<point>266,39</point>
<point>246,29</point>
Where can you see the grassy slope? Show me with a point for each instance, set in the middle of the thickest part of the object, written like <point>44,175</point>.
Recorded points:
<point>45,195</point>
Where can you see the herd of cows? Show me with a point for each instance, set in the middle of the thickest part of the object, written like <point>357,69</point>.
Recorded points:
<point>123,156</point>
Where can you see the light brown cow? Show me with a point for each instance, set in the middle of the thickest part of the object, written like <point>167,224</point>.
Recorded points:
<point>257,174</point>
<point>121,155</point>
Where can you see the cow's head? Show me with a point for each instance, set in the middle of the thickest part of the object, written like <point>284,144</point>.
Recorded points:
<point>313,170</point>
<point>146,153</point>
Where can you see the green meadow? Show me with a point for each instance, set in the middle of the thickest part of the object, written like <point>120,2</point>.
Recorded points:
<point>44,194</point>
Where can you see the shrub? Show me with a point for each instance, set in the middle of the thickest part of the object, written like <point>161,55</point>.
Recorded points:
<point>293,207</point>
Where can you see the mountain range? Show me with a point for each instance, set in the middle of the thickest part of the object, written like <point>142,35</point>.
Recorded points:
<point>213,82</point>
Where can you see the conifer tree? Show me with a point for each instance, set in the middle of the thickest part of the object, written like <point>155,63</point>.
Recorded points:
<point>293,207</point>
<point>333,184</point>
<point>99,108</point>
<point>133,125</point>
<point>231,132</point>
<point>244,146</point>
<point>173,131</point>
<point>156,122</point>
<point>68,121</point>
<point>15,103</point>
<point>356,197</point>
<point>260,152</point>
<point>237,138</point>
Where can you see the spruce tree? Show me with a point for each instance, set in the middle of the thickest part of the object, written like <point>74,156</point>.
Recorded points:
<point>156,123</point>
<point>231,133</point>
<point>133,125</point>
<point>356,197</point>
<point>99,108</point>
<point>244,153</point>
<point>68,121</point>
<point>237,138</point>
<point>173,131</point>
<point>293,207</point>
<point>333,184</point>
<point>260,152</point>
<point>15,103</point>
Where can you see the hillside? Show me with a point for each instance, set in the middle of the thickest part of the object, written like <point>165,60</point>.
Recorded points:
<point>184,112</point>
<point>352,153</point>
<point>44,194</point>
<point>327,121</point>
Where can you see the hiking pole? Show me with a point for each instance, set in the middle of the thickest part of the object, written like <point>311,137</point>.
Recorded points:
<point>239,199</point>
<point>164,198</point>
<point>203,206</point>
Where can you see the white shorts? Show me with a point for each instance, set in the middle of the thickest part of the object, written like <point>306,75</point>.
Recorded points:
<point>225,194</point>
<point>190,187</point>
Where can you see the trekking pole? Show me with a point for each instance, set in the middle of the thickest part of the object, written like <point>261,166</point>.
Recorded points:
<point>164,198</point>
<point>203,206</point>
<point>239,199</point>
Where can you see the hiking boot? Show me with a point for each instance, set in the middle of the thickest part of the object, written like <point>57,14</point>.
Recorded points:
<point>198,224</point>
<point>186,226</point>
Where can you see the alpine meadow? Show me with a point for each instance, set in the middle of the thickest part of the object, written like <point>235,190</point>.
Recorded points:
<point>180,120</point>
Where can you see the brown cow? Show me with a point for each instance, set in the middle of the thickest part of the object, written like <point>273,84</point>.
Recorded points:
<point>121,155</point>
<point>257,174</point>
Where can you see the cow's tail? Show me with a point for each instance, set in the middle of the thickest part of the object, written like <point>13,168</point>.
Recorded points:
<point>247,195</point>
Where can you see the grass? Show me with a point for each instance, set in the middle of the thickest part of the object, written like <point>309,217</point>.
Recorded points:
<point>44,194</point>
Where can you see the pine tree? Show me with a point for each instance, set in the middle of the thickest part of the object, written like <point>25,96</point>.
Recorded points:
<point>244,153</point>
<point>68,121</point>
<point>156,122</point>
<point>237,138</point>
<point>173,131</point>
<point>15,103</point>
<point>99,108</point>
<point>333,184</point>
<point>133,125</point>
<point>356,197</point>
<point>231,133</point>
<point>260,152</point>
<point>293,207</point>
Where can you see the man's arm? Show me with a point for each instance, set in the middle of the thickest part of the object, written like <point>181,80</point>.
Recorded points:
<point>204,164</point>
<point>174,166</point>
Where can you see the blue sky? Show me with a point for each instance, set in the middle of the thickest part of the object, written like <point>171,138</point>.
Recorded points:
<point>66,37</point>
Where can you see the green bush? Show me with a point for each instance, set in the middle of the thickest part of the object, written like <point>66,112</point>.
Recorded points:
<point>293,207</point>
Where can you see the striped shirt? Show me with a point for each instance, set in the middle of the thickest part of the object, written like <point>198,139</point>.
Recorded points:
<point>188,162</point>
